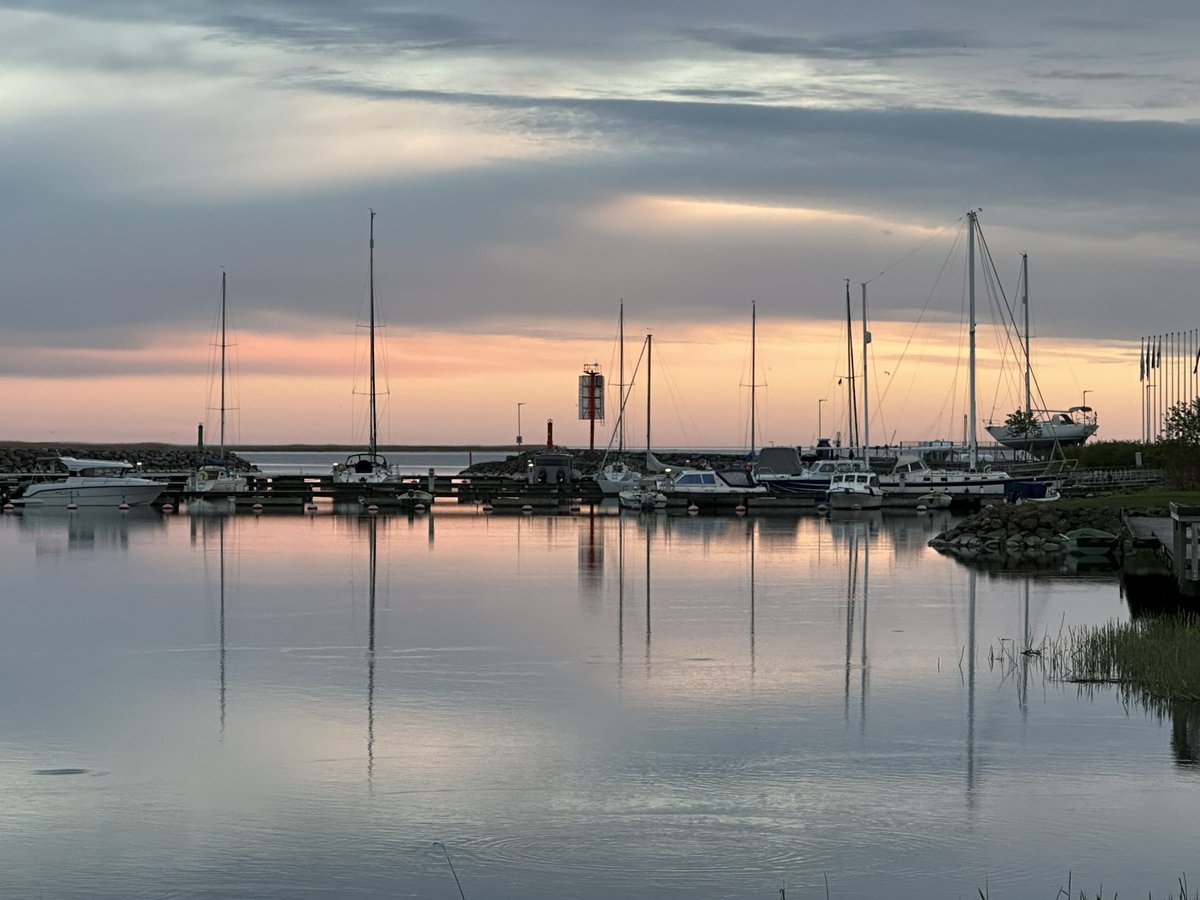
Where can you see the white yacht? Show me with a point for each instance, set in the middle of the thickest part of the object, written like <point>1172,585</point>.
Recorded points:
<point>715,484</point>
<point>66,481</point>
<point>913,478</point>
<point>855,490</point>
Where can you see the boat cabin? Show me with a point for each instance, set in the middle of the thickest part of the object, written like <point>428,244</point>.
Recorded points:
<point>59,466</point>
<point>552,468</point>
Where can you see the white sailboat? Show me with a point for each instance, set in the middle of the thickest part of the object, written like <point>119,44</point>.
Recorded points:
<point>618,476</point>
<point>1047,428</point>
<point>912,477</point>
<point>380,485</point>
<point>369,467</point>
<point>215,478</point>
<point>642,491</point>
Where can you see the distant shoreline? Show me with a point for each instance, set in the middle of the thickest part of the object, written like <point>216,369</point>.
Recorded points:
<point>276,448</point>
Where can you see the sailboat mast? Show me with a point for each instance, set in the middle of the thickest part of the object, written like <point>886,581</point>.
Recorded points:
<point>973,440</point>
<point>649,356</point>
<point>371,295</point>
<point>753,371</point>
<point>852,406</point>
<point>866,422</point>
<point>1025,302</point>
<point>223,345</point>
<point>621,386</point>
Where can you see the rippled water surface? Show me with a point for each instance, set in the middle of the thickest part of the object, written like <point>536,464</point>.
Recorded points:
<point>592,706</point>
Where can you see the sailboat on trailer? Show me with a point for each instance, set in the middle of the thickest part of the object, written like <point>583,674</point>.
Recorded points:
<point>1045,428</point>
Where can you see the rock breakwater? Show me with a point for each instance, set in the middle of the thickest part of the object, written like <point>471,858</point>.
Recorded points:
<point>1032,531</point>
<point>22,458</point>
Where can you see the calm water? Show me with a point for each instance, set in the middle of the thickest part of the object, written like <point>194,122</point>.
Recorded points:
<point>598,706</point>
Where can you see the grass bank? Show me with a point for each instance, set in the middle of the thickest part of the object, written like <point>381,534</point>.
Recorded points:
<point>1150,498</point>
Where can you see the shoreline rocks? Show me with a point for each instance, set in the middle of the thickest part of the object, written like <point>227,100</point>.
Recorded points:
<point>22,458</point>
<point>1028,531</point>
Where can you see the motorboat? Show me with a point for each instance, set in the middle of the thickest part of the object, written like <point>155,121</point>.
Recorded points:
<point>812,481</point>
<point>66,481</point>
<point>709,488</point>
<point>642,498</point>
<point>409,500</point>
<point>1090,542</point>
<point>854,490</point>
<point>912,477</point>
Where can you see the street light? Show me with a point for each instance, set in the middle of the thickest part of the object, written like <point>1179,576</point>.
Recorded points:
<point>519,405</point>
<point>1085,393</point>
<point>819,402</point>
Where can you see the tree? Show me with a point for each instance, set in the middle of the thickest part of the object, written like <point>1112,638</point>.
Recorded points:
<point>1181,462</point>
<point>1022,424</point>
<point>1182,423</point>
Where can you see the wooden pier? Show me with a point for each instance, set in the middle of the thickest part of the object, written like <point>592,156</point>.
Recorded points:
<point>1160,560</point>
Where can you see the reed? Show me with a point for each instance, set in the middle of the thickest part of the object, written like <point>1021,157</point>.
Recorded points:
<point>1154,660</point>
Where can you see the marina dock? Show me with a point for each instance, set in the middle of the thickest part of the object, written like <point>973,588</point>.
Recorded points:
<point>1160,559</point>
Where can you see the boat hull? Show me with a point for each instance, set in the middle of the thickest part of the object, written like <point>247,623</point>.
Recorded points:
<point>642,500</point>
<point>108,492</point>
<point>854,500</point>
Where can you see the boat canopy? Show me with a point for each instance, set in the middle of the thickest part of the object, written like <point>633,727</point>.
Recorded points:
<point>780,461</point>
<point>84,466</point>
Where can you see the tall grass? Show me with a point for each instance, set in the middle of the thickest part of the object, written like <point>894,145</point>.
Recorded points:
<point>1154,660</point>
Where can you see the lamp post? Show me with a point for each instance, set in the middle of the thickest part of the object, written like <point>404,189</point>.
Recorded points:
<point>1085,393</point>
<point>819,402</point>
<point>519,439</point>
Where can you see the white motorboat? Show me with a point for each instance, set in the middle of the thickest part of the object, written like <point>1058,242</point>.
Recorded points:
<point>710,483</point>
<point>642,498</point>
<point>66,481</point>
<point>780,470</point>
<point>855,490</point>
<point>913,478</point>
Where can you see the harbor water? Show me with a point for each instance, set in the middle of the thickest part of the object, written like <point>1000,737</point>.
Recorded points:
<point>588,706</point>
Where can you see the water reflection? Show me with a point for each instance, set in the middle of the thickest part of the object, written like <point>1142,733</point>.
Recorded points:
<point>58,530</point>
<point>1185,732</point>
<point>201,531</point>
<point>800,712</point>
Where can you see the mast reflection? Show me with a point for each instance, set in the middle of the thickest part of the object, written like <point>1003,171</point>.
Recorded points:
<point>372,561</point>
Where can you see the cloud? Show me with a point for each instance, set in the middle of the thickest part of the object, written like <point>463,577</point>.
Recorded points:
<point>328,27</point>
<point>877,46</point>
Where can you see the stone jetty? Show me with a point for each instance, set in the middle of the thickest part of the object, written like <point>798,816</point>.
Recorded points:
<point>22,457</point>
<point>1030,531</point>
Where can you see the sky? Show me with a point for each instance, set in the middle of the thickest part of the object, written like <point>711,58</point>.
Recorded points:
<point>533,165</point>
